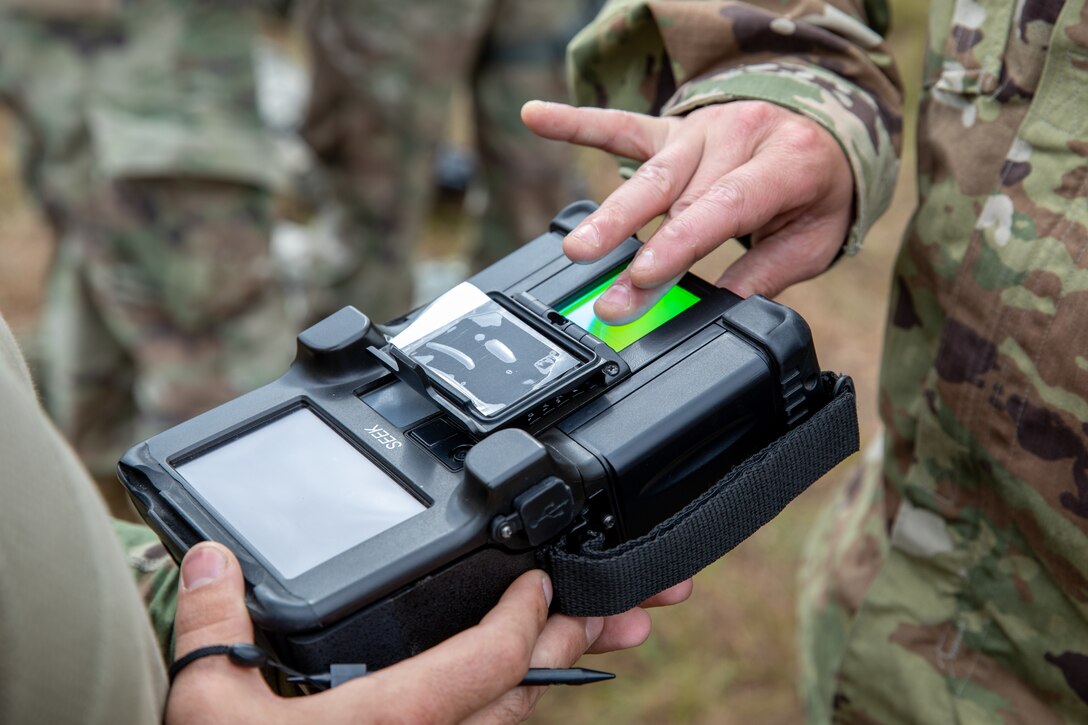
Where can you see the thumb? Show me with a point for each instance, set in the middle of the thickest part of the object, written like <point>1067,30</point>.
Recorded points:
<point>211,603</point>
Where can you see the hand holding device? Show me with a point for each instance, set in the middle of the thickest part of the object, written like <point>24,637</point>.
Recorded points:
<point>472,677</point>
<point>722,171</point>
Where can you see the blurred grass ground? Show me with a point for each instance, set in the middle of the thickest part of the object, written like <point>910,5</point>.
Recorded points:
<point>728,655</point>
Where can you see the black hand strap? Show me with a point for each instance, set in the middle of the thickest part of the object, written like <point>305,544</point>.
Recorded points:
<point>598,582</point>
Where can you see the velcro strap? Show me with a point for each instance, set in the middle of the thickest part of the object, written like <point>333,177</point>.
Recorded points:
<point>596,582</point>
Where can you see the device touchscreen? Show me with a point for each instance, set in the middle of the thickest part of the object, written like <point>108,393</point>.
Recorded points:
<point>298,492</point>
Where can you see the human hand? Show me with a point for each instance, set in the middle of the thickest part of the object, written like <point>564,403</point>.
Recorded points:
<point>471,676</point>
<point>608,634</point>
<point>722,171</point>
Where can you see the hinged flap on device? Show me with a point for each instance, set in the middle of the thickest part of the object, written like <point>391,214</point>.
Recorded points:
<point>491,361</point>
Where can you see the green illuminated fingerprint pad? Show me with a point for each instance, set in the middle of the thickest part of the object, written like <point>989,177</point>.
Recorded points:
<point>580,312</point>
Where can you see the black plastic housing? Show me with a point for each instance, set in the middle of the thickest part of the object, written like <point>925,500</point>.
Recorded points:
<point>689,401</point>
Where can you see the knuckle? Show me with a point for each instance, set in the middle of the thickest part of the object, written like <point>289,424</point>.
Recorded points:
<point>804,135</point>
<point>683,203</point>
<point>762,277</point>
<point>625,127</point>
<point>728,196</point>
<point>813,152</point>
<point>520,704</point>
<point>612,218</point>
<point>633,132</point>
<point>753,116</point>
<point>610,138</point>
<point>816,258</point>
<point>681,234</point>
<point>810,255</point>
<point>657,176</point>
<point>678,231</point>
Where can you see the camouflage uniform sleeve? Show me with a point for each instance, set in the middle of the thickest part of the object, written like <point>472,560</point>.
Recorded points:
<point>821,59</point>
<point>156,579</point>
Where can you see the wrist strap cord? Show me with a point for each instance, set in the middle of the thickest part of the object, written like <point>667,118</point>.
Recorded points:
<point>250,655</point>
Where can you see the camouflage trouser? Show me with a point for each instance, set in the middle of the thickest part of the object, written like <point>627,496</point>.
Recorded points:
<point>383,77</point>
<point>141,143</point>
<point>892,628</point>
<point>845,551</point>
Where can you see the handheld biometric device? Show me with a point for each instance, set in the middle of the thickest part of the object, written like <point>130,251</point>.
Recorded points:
<point>382,494</point>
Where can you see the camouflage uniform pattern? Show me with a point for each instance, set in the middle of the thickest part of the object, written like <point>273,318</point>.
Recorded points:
<point>157,579</point>
<point>810,57</point>
<point>140,141</point>
<point>949,581</point>
<point>383,77</point>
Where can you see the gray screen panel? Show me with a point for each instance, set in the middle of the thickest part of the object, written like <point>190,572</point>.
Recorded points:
<point>298,492</point>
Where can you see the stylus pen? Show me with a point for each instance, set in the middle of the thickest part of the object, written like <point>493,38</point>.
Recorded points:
<point>536,676</point>
<point>570,676</point>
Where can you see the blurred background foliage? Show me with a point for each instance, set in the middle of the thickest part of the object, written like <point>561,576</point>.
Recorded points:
<point>728,654</point>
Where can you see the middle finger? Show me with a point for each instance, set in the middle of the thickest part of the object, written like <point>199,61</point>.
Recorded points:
<point>650,192</point>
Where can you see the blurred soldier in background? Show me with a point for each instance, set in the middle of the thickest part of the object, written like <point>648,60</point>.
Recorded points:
<point>383,76</point>
<point>141,142</point>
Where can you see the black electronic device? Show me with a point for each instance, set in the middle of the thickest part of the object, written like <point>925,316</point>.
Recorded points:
<point>383,492</point>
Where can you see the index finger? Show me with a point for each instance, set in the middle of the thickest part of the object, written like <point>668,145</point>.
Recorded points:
<point>632,135</point>
<point>740,202</point>
<point>468,671</point>
<point>649,193</point>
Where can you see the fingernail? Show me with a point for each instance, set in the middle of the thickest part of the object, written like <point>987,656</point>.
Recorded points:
<point>644,262</point>
<point>546,583</point>
<point>594,627</point>
<point>202,566</point>
<point>587,234</point>
<point>617,296</point>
